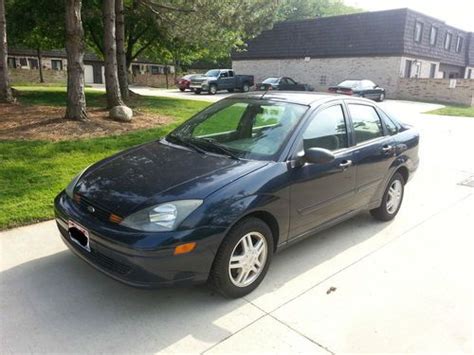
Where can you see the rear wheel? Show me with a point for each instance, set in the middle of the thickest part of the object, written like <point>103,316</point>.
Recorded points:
<point>392,199</point>
<point>243,258</point>
<point>245,87</point>
<point>182,89</point>
<point>197,91</point>
<point>230,90</point>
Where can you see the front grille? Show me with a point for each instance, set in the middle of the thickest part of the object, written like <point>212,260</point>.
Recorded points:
<point>108,263</point>
<point>96,211</point>
<point>97,257</point>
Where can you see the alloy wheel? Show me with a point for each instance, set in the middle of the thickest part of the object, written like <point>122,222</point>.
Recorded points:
<point>394,196</point>
<point>248,259</point>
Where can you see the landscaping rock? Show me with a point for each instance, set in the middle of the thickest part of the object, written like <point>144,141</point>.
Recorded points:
<point>121,113</point>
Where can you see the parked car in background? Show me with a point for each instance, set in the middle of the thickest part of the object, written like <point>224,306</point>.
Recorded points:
<point>221,79</point>
<point>244,178</point>
<point>282,83</point>
<point>184,82</point>
<point>361,88</point>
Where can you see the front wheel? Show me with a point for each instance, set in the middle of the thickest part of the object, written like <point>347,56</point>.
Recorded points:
<point>212,90</point>
<point>197,91</point>
<point>392,199</point>
<point>243,258</point>
<point>381,97</point>
<point>182,89</point>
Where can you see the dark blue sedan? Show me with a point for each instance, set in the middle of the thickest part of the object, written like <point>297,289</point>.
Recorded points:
<point>216,198</point>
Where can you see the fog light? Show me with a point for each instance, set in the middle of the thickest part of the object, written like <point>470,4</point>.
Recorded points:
<point>184,248</point>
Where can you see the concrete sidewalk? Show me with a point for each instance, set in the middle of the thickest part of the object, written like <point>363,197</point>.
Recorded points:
<point>404,286</point>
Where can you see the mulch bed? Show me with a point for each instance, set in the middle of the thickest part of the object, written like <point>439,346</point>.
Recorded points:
<point>48,123</point>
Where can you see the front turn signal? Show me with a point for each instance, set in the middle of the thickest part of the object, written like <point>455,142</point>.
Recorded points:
<point>184,248</point>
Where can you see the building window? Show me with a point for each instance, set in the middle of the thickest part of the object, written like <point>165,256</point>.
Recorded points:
<point>418,31</point>
<point>459,41</point>
<point>11,62</point>
<point>433,36</point>
<point>323,80</point>
<point>56,64</point>
<point>155,70</point>
<point>33,63</point>
<point>408,64</point>
<point>433,70</point>
<point>447,41</point>
<point>23,62</point>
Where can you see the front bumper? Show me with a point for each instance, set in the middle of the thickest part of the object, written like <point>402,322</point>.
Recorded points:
<point>135,258</point>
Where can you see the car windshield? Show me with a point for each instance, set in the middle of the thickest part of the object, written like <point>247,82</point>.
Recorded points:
<point>271,81</point>
<point>213,73</point>
<point>241,128</point>
<point>350,83</point>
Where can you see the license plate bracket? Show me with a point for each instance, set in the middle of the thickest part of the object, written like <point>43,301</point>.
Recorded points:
<point>79,235</point>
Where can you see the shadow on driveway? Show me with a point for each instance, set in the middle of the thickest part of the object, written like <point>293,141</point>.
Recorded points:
<point>60,304</point>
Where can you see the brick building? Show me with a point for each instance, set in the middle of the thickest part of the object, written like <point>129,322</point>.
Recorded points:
<point>55,60</point>
<point>382,46</point>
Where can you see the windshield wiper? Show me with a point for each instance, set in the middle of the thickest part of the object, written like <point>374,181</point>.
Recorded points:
<point>220,147</point>
<point>187,143</point>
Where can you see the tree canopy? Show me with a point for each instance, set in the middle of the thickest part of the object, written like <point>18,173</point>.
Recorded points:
<point>171,31</point>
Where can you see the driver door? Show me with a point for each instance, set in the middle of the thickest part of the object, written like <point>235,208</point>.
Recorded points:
<point>320,193</point>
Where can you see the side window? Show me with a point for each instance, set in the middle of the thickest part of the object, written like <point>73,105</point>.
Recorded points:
<point>392,127</point>
<point>290,81</point>
<point>366,122</point>
<point>327,130</point>
<point>224,74</point>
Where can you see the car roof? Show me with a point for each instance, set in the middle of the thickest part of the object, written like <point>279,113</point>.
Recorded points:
<point>297,97</point>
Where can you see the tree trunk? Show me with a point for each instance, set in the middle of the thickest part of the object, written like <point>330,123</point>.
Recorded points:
<point>110,55</point>
<point>76,98</point>
<point>40,64</point>
<point>5,90</point>
<point>122,69</point>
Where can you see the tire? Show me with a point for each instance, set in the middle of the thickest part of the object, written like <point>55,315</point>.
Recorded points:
<point>181,89</point>
<point>197,91</point>
<point>387,211</point>
<point>245,87</point>
<point>212,89</point>
<point>230,90</point>
<point>225,279</point>
<point>381,97</point>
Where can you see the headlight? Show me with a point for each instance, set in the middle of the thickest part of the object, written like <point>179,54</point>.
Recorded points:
<point>164,217</point>
<point>72,184</point>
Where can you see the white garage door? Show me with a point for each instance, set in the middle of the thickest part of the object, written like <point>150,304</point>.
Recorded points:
<point>88,74</point>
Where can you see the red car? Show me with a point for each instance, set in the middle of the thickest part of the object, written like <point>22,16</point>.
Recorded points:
<point>185,81</point>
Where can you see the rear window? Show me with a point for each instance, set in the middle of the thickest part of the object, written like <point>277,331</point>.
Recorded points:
<point>350,83</point>
<point>270,81</point>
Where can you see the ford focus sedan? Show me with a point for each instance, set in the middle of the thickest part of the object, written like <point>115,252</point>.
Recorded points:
<point>215,199</point>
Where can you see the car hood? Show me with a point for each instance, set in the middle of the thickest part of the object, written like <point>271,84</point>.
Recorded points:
<point>200,79</point>
<point>157,172</point>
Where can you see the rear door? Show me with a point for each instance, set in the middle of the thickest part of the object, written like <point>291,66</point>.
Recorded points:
<point>225,80</point>
<point>322,192</point>
<point>374,152</point>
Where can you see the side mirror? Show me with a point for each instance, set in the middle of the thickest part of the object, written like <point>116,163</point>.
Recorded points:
<point>318,155</point>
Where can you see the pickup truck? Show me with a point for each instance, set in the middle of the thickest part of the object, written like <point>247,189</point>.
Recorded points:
<point>221,79</point>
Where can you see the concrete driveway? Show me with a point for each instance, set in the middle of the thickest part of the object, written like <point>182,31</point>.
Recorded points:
<point>176,94</point>
<point>404,286</point>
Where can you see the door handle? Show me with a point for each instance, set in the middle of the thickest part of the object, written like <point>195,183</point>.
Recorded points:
<point>345,164</point>
<point>387,148</point>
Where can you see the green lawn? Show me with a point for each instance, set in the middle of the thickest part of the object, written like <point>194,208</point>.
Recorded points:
<point>465,111</point>
<point>33,172</point>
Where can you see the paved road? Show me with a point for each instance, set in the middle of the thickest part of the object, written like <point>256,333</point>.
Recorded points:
<point>404,286</point>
